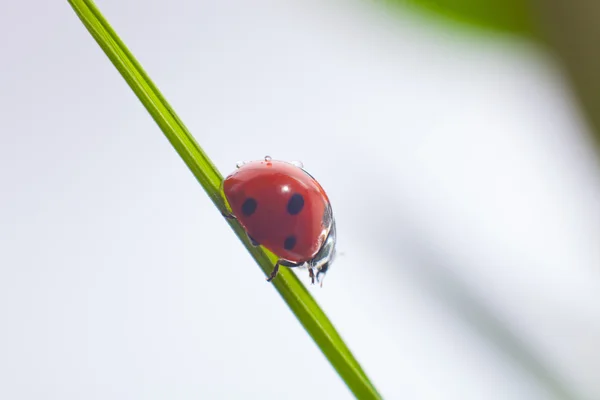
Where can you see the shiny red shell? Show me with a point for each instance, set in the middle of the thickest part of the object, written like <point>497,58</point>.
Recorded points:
<point>264,196</point>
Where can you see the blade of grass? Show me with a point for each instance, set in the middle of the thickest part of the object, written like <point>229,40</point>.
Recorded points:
<point>287,284</point>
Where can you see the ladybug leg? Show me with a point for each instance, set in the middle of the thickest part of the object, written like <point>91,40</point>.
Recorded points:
<point>274,273</point>
<point>227,215</point>
<point>276,269</point>
<point>311,275</point>
<point>254,242</point>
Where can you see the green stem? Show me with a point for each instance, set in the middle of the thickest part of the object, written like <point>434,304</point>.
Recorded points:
<point>293,292</point>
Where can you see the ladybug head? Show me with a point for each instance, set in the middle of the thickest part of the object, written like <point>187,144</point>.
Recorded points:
<point>324,258</point>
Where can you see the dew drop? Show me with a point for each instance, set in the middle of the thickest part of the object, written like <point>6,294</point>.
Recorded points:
<point>239,164</point>
<point>268,158</point>
<point>298,164</point>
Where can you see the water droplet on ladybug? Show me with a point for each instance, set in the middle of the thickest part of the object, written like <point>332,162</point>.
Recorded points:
<point>268,158</point>
<point>239,164</point>
<point>298,164</point>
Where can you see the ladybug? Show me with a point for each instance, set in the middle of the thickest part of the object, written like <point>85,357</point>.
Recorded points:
<point>283,208</point>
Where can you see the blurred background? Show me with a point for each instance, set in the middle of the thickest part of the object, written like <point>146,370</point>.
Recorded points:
<point>457,141</point>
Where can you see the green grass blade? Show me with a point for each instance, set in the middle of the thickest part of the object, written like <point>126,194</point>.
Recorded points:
<point>287,284</point>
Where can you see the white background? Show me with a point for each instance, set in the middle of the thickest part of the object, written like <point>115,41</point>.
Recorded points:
<point>465,191</point>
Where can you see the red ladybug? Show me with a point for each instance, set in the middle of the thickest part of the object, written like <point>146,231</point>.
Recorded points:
<point>283,208</point>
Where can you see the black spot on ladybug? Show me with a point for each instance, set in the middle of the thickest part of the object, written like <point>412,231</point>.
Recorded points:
<point>249,206</point>
<point>289,243</point>
<point>295,204</point>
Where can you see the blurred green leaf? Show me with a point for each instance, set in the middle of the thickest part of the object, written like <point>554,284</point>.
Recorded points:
<point>572,29</point>
<point>508,16</point>
<point>293,292</point>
